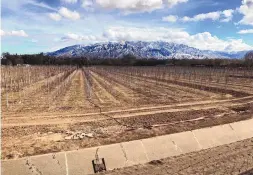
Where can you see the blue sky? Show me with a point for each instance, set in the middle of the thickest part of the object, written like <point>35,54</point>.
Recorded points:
<point>32,26</point>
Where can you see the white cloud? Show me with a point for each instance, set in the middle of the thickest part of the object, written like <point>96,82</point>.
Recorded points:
<point>204,16</point>
<point>55,16</point>
<point>170,18</point>
<point>64,12</point>
<point>72,36</point>
<point>247,10</point>
<point>223,16</point>
<point>87,3</point>
<point>86,38</point>
<point>70,1</point>
<point>130,6</point>
<point>172,3</point>
<point>228,15</point>
<point>248,31</point>
<point>40,4</point>
<point>204,41</point>
<point>73,15</point>
<point>143,34</point>
<point>20,33</point>
<point>2,33</point>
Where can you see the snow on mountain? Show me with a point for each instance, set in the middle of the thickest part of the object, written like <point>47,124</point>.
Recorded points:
<point>140,49</point>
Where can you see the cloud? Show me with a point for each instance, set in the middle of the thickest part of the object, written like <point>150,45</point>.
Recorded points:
<point>73,15</point>
<point>70,1</point>
<point>228,15</point>
<point>2,33</point>
<point>248,31</point>
<point>72,36</point>
<point>170,18</point>
<point>87,3</point>
<point>64,12</point>
<point>223,16</point>
<point>55,16</point>
<point>172,3</point>
<point>204,41</point>
<point>133,6</point>
<point>20,33</point>
<point>247,10</point>
<point>41,5</point>
<point>87,38</point>
<point>204,16</point>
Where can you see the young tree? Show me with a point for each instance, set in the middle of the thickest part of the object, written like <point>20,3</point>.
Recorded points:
<point>249,59</point>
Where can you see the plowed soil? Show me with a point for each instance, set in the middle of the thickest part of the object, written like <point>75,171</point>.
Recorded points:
<point>114,106</point>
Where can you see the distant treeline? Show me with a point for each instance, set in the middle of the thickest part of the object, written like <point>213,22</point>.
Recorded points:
<point>127,60</point>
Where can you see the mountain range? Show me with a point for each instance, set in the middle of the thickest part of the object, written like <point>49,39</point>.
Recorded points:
<point>140,49</point>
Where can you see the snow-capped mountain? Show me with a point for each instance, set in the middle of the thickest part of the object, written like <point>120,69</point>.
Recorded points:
<point>140,49</point>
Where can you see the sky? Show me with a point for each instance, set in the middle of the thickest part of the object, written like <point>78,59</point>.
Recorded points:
<point>33,26</point>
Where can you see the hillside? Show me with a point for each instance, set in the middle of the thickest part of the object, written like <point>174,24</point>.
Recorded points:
<point>158,50</point>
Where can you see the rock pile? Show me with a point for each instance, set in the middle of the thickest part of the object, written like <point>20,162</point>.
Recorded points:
<point>78,135</point>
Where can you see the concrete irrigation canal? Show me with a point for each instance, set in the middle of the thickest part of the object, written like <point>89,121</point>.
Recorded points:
<point>125,154</point>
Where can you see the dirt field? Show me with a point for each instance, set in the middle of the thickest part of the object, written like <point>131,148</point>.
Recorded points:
<point>236,158</point>
<point>64,108</point>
